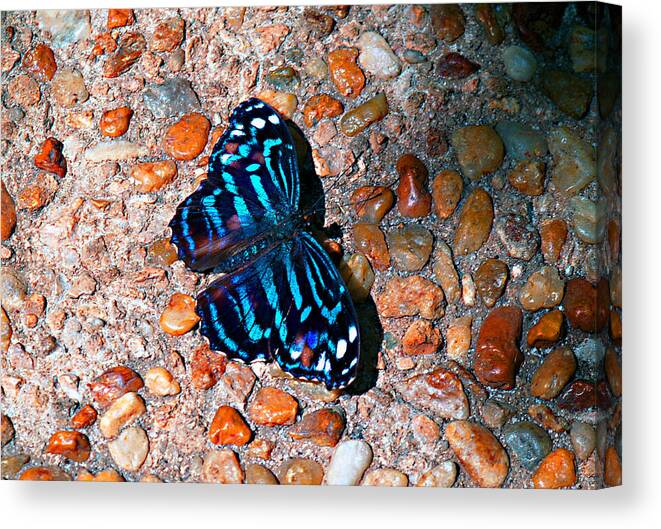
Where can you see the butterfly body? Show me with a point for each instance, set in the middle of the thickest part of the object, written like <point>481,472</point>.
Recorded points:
<point>280,296</point>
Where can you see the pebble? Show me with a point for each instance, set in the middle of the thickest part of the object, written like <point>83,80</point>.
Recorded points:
<point>113,383</point>
<point>24,91</point>
<point>123,411</point>
<point>174,97</point>
<point>458,338</point>
<point>439,392</point>
<point>586,306</point>
<point>528,177</point>
<point>556,471</point>
<point>229,428</point>
<point>583,439</point>
<point>591,351</point>
<point>495,413</point>
<point>33,198</point>
<point>316,67</point>
<point>84,417</point>
<point>548,420</point>
<point>442,475</point>
<point>12,289</point>
<point>543,289</point>
<point>346,75</point>
<point>48,473</point>
<point>297,471</point>
<point>283,78</point>
<point>554,234</point>
<point>270,38</point>
<point>372,203</point>
<point>319,24</point>
<point>64,26</point>
<point>376,56</point>
<point>104,476</point>
<point>186,139</point>
<point>72,445</point>
<point>574,165</point>
<point>425,431</point>
<point>490,280</point>
<point>529,442</point>
<point>260,475</point>
<point>588,49</point>
<point>130,449</point>
<point>131,47</point>
<point>152,176</point>
<point>447,189</point>
<point>553,374</point>
<point>179,316</point>
<point>237,380</point>
<point>613,372</point>
<point>410,247</point>
<point>520,64</point>
<point>114,151</point>
<point>118,18</point>
<point>413,199</point>
<point>547,330</point>
<point>518,236</point>
<point>8,218</point>
<point>421,338</point>
<point>322,427</point>
<point>160,382</point>
<point>453,65</point>
<point>447,21</point>
<point>358,276</point>
<point>497,355</point>
<point>273,407</point>
<point>522,142</point>
<point>168,35</point>
<point>206,367</point>
<point>115,123</point>
<point>370,241</point>
<point>357,120</point>
<point>349,462</point>
<point>579,395</point>
<point>50,157</point>
<point>479,150</point>
<point>445,272</point>
<point>385,477</point>
<point>12,464</point>
<point>486,16</point>
<point>284,103</point>
<point>411,296</point>
<point>475,222</point>
<point>615,285</point>
<point>40,63</point>
<point>589,218</point>
<point>479,452</point>
<point>572,94</point>
<point>612,468</point>
<point>68,88</point>
<point>319,107</point>
<point>222,466</point>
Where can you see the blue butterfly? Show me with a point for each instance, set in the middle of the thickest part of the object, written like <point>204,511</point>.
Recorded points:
<point>281,297</point>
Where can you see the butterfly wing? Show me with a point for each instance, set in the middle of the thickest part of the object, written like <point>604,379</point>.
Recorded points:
<point>252,185</point>
<point>291,305</point>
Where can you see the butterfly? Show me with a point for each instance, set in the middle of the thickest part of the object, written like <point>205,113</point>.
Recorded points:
<point>280,296</point>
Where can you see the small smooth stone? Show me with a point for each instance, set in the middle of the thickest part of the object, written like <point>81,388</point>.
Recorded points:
<point>84,417</point>
<point>349,462</point>
<point>152,176</point>
<point>372,203</point>
<point>453,65</point>
<point>468,290</point>
<point>172,98</point>
<point>283,102</point>
<point>322,427</point>
<point>8,218</point>
<point>160,382</point>
<point>179,316</point>
<point>589,219</point>
<point>445,272</point>
<point>130,449</point>
<point>442,475</point>
<point>486,16</point>
<point>319,24</point>
<point>319,107</point>
<point>522,142</point>
<point>479,150</point>
<point>118,18</point>
<point>222,466</point>
<point>543,289</point>
<point>273,407</point>
<point>370,241</point>
<point>115,123</point>
<point>475,222</point>
<point>260,475</point>
<point>113,383</point>
<point>284,78</point>
<point>358,119</point>
<point>122,412</point>
<point>316,67</point>
<point>298,471</point>
<point>591,351</point>
<point>613,372</point>
<point>518,236</point>
<point>186,139</point>
<point>579,395</point>
<point>376,56</point>
<point>447,21</point>
<point>529,442</point>
<point>358,276</point>
<point>410,247</point>
<point>497,355</point>
<point>207,367</point>
<point>413,56</point>
<point>5,334</point>
<point>583,439</point>
<point>413,198</point>
<point>168,35</point>
<point>12,464</point>
<point>385,477</point>
<point>571,94</point>
<point>50,157</point>
<point>588,49</point>
<point>72,445</point>
<point>131,47</point>
<point>46,473</point>
<point>64,26</point>
<point>496,413</point>
<point>115,151</point>
<point>556,471</point>
<point>554,234</point>
<point>439,392</point>
<point>528,178</point>
<point>229,428</point>
<point>547,330</point>
<point>68,88</point>
<point>24,91</point>
<point>574,163</point>
<point>346,75</point>
<point>458,338</point>
<point>12,289</point>
<point>490,280</point>
<point>425,431</point>
<point>479,452</point>
<point>520,64</point>
<point>411,296</point>
<point>103,476</point>
<point>447,189</point>
<point>586,306</point>
<point>553,374</point>
<point>612,468</point>
<point>421,338</point>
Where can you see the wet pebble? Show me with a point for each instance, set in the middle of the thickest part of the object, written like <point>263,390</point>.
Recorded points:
<point>556,471</point>
<point>273,407</point>
<point>115,123</point>
<point>612,468</point>
<point>84,417</point>
<point>479,150</point>
<point>358,119</point>
<point>589,218</point>
<point>475,222</point>
<point>518,236</point>
<point>529,442</point>
<point>297,471</point>
<point>520,64</point>
<point>376,57</point>
<point>186,139</point>
<point>171,98</point>
<point>385,477</point>
<point>447,189</point>
<point>130,449</point>
<point>521,141</point>
<point>349,462</point>
<point>586,306</point>
<point>490,280</point>
<point>68,88</point>
<point>574,164</point>
<point>113,383</point>
<point>322,427</point>
<point>372,203</point>
<point>370,241</point>
<point>131,47</point>
<point>547,330</point>
<point>50,157</point>
<point>125,410</point>
<point>421,338</point>
<point>496,413</point>
<point>553,234</point>
<point>44,473</point>
<point>445,272</point>
<point>410,247</point>
<point>458,338</point>
<point>8,218</point>
<point>319,107</point>
<point>222,466</point>
<point>439,392</point>
<point>161,382</point>
<point>442,475</point>
<point>447,21</point>
<point>553,374</point>
<point>411,296</point>
<point>284,78</point>
<point>72,445</point>
<point>572,94</point>
<point>229,428</point>
<point>583,439</point>
<point>528,177</point>
<point>453,65</point>
<point>260,475</point>
<point>179,316</point>
<point>207,367</point>
<point>168,35</point>
<point>152,176</point>
<point>413,199</point>
<point>358,276</point>
<point>345,73</point>
<point>283,102</point>
<point>613,370</point>
<point>40,63</point>
<point>543,289</point>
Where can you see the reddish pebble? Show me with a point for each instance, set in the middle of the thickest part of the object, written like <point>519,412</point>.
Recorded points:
<point>421,338</point>
<point>587,306</point>
<point>297,471</point>
<point>187,138</point>
<point>44,474</point>
<point>8,217</point>
<point>447,21</point>
<point>40,62</point>
<point>131,47</point>
<point>206,367</point>
<point>486,16</point>
<point>273,407</point>
<point>413,199</point>
<point>547,330</point>
<point>50,158</point>
<point>72,445</point>
<point>229,428</point>
<point>168,35</point>
<point>319,107</point>
<point>438,392</point>
<point>455,66</point>
<point>554,235</point>
<point>542,414</point>
<point>321,427</point>
<point>84,417</point>
<point>113,383</point>
<point>579,395</point>
<point>550,377</point>
<point>372,203</point>
<point>152,176</point>
<point>118,18</point>
<point>115,123</point>
<point>411,296</point>
<point>24,90</point>
<point>370,241</point>
<point>475,222</point>
<point>345,73</point>
<point>447,188</point>
<point>612,468</point>
<point>557,470</point>
<point>179,316</point>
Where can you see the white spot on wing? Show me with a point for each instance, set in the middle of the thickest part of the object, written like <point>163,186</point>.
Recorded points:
<point>258,123</point>
<point>353,333</point>
<point>274,119</point>
<point>341,348</point>
<point>320,363</point>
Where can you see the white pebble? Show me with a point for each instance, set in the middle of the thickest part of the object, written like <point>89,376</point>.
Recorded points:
<point>377,57</point>
<point>520,64</point>
<point>349,462</point>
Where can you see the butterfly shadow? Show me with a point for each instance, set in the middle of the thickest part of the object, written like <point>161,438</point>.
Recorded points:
<point>371,340</point>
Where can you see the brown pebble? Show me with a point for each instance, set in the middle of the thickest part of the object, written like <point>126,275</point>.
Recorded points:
<point>131,47</point>
<point>160,382</point>
<point>447,21</point>
<point>557,470</point>
<point>168,34</point>
<point>345,72</point>
<point>152,176</point>
<point>475,222</point>
<point>50,157</point>
<point>222,466</point>
<point>370,241</point>
<point>33,197</point>
<point>490,280</point>
<point>72,445</point>
<point>322,427</point>
<point>453,65</point>
<point>439,392</point>
<point>319,107</point>
<point>479,150</point>
<point>113,383</point>
<point>447,188</point>
<point>552,375</point>
<point>47,473</point>
<point>68,88</point>
<point>385,477</point>
<point>547,330</point>
<point>587,306</point>
<point>24,91</point>
<point>229,428</point>
<point>8,217</point>
<point>186,139</point>
<point>298,471</point>
<point>613,372</point>
<point>553,234</point>
<point>104,476</point>
<point>371,203</point>
<point>358,119</point>
<point>260,475</point>
<point>206,367</point>
<point>118,18</point>
<point>527,177</point>
<point>179,316</point>
<point>40,62</point>
<point>115,123</point>
<point>411,296</point>
<point>84,417</point>
<point>421,338</point>
<point>486,16</point>
<point>612,468</point>
<point>413,199</point>
<point>273,407</point>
